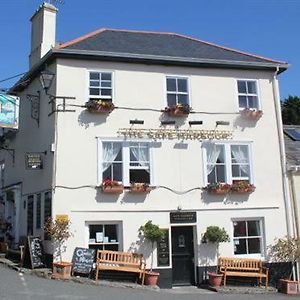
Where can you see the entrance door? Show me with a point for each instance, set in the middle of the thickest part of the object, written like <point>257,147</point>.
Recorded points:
<point>183,255</point>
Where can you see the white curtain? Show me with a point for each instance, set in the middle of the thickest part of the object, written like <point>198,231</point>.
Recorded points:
<point>240,153</point>
<point>212,154</point>
<point>110,152</point>
<point>142,155</point>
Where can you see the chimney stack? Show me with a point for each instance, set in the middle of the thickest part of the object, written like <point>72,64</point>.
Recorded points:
<point>43,25</point>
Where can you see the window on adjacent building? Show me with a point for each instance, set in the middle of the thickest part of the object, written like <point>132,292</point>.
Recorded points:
<point>126,162</point>
<point>177,91</point>
<point>247,236</point>
<point>248,94</point>
<point>100,85</point>
<point>104,237</point>
<point>227,163</point>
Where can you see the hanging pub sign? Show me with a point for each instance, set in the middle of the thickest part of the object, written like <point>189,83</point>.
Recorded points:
<point>34,161</point>
<point>9,111</point>
<point>183,217</point>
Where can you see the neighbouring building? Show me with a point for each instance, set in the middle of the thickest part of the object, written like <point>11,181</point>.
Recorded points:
<point>184,115</point>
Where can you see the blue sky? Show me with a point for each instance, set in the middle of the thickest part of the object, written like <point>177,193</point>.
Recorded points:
<point>266,27</point>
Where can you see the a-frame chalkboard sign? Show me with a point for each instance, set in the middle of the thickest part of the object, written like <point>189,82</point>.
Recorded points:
<point>33,256</point>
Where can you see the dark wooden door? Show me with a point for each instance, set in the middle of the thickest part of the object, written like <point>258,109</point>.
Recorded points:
<point>183,255</point>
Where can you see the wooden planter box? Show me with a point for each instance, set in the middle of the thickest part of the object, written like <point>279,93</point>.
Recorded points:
<point>177,113</point>
<point>140,190</point>
<point>252,114</point>
<point>62,270</point>
<point>101,110</point>
<point>118,189</point>
<point>289,287</point>
<point>244,191</point>
<point>219,191</point>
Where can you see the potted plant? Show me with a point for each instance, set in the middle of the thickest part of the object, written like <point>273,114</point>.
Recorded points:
<point>178,110</point>
<point>112,186</point>
<point>286,250</point>
<point>59,232</point>
<point>218,188</point>
<point>140,187</point>
<point>242,187</point>
<point>215,235</point>
<point>252,113</point>
<point>152,233</point>
<point>99,106</point>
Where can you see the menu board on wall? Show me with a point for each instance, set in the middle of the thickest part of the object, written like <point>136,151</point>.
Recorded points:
<point>163,250</point>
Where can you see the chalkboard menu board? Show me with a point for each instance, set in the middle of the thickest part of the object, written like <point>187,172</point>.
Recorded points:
<point>33,253</point>
<point>83,260</point>
<point>163,251</point>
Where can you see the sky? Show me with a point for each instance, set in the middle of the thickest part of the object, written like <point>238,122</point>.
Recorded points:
<point>270,28</point>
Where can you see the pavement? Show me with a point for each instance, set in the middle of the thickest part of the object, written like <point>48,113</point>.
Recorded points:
<point>18,283</point>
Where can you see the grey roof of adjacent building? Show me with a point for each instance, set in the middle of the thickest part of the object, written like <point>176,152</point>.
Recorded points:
<point>292,147</point>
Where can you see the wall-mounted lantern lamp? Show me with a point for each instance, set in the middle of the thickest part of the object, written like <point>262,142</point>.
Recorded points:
<point>46,79</point>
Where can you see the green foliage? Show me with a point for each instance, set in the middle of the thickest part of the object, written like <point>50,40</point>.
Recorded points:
<point>290,109</point>
<point>151,232</point>
<point>215,234</point>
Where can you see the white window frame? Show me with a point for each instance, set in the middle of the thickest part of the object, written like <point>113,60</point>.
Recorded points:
<point>88,96</point>
<point>242,94</point>
<point>126,159</point>
<point>228,163</point>
<point>188,88</point>
<point>262,237</point>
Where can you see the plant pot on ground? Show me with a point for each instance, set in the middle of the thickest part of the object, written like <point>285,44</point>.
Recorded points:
<point>286,250</point>
<point>215,235</point>
<point>152,233</point>
<point>59,232</point>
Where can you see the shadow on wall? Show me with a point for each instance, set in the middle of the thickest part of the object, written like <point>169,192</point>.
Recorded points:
<point>229,198</point>
<point>141,246</point>
<point>243,123</point>
<point>178,121</point>
<point>86,119</point>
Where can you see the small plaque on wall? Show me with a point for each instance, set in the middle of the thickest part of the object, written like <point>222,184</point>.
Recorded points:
<point>183,217</point>
<point>34,161</point>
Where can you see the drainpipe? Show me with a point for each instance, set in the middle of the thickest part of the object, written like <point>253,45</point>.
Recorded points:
<point>285,183</point>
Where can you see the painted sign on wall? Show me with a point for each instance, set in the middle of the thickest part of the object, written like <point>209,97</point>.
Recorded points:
<point>9,111</point>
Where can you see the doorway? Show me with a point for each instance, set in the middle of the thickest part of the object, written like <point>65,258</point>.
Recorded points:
<point>183,269</point>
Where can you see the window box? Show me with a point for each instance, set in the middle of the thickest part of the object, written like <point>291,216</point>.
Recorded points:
<point>138,187</point>
<point>100,106</point>
<point>252,114</point>
<point>112,187</point>
<point>218,188</point>
<point>242,187</point>
<point>179,110</point>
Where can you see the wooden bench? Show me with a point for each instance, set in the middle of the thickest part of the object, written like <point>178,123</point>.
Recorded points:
<point>120,261</point>
<point>243,267</point>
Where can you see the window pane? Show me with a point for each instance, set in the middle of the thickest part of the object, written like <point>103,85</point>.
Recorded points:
<point>171,84</point>
<point>94,91</point>
<point>182,85</point>
<point>254,245</point>
<point>253,228</point>
<point>111,232</point>
<point>212,176</point>
<point>252,102</point>
<point>94,229</point>
<point>94,83</point>
<point>239,228</point>
<point>171,99</point>
<point>107,174</point>
<point>106,92</point>
<point>236,171</point>
<point>94,76</point>
<point>105,76</point>
<point>117,171</point>
<point>220,173</point>
<point>139,176</point>
<point>183,99</point>
<point>106,84</point>
<point>242,87</point>
<point>221,157</point>
<point>243,101</point>
<point>240,246</point>
<point>251,87</point>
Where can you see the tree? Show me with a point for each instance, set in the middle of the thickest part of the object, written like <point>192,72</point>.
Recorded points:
<point>290,109</point>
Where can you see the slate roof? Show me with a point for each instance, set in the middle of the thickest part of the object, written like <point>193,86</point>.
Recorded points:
<point>158,44</point>
<point>292,148</point>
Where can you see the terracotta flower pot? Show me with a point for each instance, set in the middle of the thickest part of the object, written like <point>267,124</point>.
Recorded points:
<point>289,287</point>
<point>215,279</point>
<point>140,190</point>
<point>219,191</point>
<point>101,109</point>
<point>151,278</point>
<point>62,270</point>
<point>115,189</point>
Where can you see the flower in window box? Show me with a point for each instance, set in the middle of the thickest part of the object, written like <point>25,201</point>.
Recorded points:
<point>112,186</point>
<point>100,106</point>
<point>140,187</point>
<point>242,187</point>
<point>178,110</point>
<point>253,114</point>
<point>218,188</point>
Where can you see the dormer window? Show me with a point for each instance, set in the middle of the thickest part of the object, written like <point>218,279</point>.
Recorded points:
<point>100,85</point>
